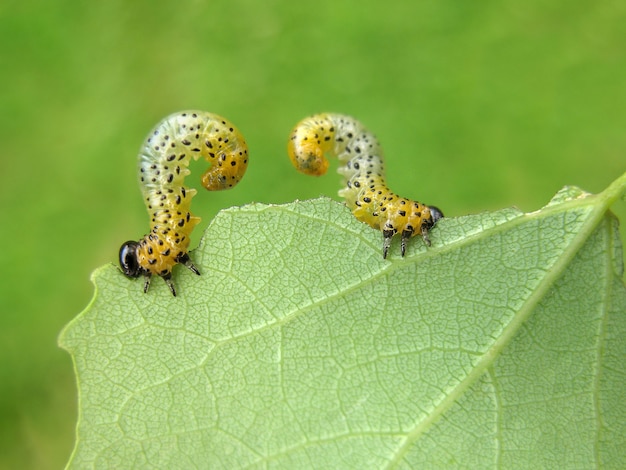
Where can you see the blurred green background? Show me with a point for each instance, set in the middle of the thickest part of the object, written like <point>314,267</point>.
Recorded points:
<point>479,106</point>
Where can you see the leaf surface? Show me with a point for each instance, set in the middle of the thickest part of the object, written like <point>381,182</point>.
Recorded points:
<point>502,345</point>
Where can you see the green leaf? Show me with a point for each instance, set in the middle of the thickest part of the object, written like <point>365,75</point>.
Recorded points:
<point>502,345</point>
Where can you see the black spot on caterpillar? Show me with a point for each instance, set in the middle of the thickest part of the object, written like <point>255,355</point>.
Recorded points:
<point>163,164</point>
<point>366,192</point>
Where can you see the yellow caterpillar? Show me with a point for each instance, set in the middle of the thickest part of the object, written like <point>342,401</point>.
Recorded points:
<point>163,164</point>
<point>365,191</point>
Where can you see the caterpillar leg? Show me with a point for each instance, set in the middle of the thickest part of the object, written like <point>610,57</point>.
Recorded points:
<point>148,277</point>
<point>435,216</point>
<point>405,237</point>
<point>185,260</point>
<point>424,236</point>
<point>406,234</point>
<point>168,280</point>
<point>146,282</point>
<point>167,277</point>
<point>387,236</point>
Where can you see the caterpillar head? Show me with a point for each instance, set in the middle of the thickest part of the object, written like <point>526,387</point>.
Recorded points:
<point>435,215</point>
<point>429,222</point>
<point>129,261</point>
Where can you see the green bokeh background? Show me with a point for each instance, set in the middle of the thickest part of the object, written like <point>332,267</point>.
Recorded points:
<point>479,105</point>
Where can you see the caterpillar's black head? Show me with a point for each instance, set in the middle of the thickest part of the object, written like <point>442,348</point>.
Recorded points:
<point>128,259</point>
<point>435,214</point>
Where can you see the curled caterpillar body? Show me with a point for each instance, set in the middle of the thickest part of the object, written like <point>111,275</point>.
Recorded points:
<point>361,163</point>
<point>163,164</point>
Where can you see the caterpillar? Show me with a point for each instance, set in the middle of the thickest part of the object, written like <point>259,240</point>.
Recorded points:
<point>163,164</point>
<point>361,163</point>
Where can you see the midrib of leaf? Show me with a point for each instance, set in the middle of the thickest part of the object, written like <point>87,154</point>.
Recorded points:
<point>607,289</point>
<point>498,404</point>
<point>604,200</point>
